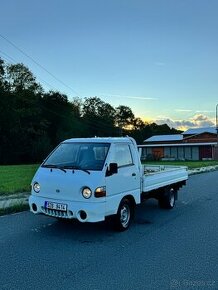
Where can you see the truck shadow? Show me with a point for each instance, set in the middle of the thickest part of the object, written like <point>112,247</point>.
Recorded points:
<point>145,211</point>
<point>147,214</point>
<point>76,232</point>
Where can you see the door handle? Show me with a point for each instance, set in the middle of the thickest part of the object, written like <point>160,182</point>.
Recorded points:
<point>134,174</point>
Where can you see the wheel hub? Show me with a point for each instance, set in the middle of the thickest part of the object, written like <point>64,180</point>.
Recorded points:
<point>125,215</point>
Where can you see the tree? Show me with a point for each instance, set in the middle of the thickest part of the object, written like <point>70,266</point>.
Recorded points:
<point>63,117</point>
<point>137,130</point>
<point>124,117</point>
<point>98,117</point>
<point>1,72</point>
<point>138,124</point>
<point>21,123</point>
<point>3,82</point>
<point>21,78</point>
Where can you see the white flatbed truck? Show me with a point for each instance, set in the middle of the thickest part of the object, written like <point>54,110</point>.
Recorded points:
<point>90,179</point>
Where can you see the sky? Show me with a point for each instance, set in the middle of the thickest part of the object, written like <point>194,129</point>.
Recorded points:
<point>159,57</point>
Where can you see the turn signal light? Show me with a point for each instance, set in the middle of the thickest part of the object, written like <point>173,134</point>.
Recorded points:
<point>100,191</point>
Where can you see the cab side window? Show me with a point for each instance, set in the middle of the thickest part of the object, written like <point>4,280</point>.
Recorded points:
<point>122,155</point>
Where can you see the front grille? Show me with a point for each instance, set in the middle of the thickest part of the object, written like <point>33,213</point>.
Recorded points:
<point>57,213</point>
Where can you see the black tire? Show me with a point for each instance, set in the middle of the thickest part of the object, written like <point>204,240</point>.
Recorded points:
<point>167,200</point>
<point>124,216</point>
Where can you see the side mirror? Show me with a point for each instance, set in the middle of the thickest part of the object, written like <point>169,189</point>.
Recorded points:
<point>112,169</point>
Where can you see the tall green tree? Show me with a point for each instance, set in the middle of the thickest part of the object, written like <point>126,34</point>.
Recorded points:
<point>1,73</point>
<point>63,117</point>
<point>21,78</point>
<point>124,117</point>
<point>21,120</point>
<point>98,117</point>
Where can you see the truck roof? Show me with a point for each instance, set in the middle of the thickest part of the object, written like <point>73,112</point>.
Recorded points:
<point>99,140</point>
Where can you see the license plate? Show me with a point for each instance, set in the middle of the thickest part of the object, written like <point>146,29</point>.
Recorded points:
<point>55,206</point>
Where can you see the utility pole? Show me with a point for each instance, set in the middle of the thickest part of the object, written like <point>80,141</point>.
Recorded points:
<point>216,147</point>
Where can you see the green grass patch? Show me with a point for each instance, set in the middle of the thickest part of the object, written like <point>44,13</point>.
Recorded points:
<point>189,164</point>
<point>16,178</point>
<point>14,208</point>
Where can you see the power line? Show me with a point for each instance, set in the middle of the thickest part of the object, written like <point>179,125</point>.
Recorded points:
<point>49,85</point>
<point>8,57</point>
<point>38,64</point>
<point>99,125</point>
<point>13,61</point>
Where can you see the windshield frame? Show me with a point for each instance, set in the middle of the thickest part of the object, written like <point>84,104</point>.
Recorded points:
<point>44,165</point>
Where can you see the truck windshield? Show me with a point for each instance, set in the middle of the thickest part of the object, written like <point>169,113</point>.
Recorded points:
<point>83,156</point>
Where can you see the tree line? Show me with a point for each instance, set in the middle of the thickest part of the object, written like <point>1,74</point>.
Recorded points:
<point>33,121</point>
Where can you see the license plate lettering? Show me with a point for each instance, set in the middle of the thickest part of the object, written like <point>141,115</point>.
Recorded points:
<point>55,206</point>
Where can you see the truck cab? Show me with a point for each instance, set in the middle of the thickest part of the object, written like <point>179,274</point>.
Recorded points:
<point>87,178</point>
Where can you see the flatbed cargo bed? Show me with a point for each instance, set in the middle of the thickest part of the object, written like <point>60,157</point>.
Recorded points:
<point>157,176</point>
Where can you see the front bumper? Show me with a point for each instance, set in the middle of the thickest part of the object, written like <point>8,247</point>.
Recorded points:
<point>82,211</point>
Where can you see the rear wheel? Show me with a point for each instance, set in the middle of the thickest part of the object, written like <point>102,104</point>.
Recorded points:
<point>124,216</point>
<point>167,200</point>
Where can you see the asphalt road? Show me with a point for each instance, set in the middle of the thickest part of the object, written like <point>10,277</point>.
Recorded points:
<point>163,249</point>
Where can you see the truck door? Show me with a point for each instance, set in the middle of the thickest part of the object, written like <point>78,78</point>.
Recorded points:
<point>127,180</point>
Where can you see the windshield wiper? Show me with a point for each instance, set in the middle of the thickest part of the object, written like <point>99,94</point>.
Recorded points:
<point>77,168</point>
<point>54,166</point>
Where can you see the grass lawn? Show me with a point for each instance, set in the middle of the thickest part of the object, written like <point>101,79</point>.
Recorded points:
<point>16,178</point>
<point>189,164</point>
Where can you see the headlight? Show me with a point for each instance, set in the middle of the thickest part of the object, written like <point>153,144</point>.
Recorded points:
<point>86,192</point>
<point>36,187</point>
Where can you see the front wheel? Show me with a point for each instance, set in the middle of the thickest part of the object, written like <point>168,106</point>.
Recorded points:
<point>124,215</point>
<point>167,200</point>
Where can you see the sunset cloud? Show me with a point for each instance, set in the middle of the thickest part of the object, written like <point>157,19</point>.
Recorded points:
<point>202,120</point>
<point>198,120</point>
